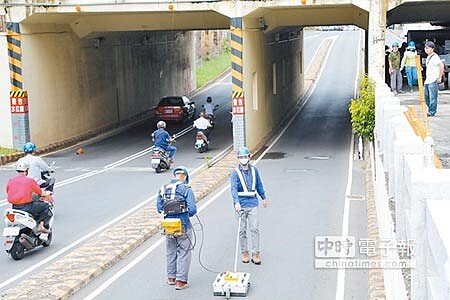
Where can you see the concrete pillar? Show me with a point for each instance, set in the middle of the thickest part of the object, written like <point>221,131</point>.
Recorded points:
<point>238,98</point>
<point>377,37</point>
<point>18,97</point>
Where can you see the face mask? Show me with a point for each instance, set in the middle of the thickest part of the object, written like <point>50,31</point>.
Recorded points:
<point>243,160</point>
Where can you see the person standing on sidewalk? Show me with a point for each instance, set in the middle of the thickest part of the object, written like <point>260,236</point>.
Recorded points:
<point>433,76</point>
<point>177,201</point>
<point>394,70</point>
<point>409,63</point>
<point>246,184</point>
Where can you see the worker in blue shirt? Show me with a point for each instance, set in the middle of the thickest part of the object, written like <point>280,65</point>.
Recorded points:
<point>177,200</point>
<point>246,184</point>
<point>162,139</point>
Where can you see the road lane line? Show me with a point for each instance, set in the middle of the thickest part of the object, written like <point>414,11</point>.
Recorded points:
<point>340,285</point>
<point>156,244</point>
<point>98,230</point>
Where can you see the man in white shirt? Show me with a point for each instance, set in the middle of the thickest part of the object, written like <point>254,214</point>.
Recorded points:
<point>202,124</point>
<point>434,72</point>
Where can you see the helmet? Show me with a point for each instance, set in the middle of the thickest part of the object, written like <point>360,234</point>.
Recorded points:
<point>29,147</point>
<point>182,170</point>
<point>411,44</point>
<point>209,99</point>
<point>161,124</point>
<point>243,151</point>
<point>394,44</point>
<point>22,165</point>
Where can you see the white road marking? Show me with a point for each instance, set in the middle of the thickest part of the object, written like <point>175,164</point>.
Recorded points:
<point>340,285</point>
<point>156,244</point>
<point>98,230</point>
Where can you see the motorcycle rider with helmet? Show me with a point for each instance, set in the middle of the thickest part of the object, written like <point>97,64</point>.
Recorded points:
<point>22,191</point>
<point>162,139</point>
<point>37,166</point>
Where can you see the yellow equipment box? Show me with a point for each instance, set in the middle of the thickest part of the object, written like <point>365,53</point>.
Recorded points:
<point>172,226</point>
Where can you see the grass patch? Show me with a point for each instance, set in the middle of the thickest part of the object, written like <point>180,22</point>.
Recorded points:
<point>212,68</point>
<point>5,151</point>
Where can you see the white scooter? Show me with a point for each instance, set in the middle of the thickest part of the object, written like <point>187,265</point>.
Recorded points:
<point>201,142</point>
<point>21,231</point>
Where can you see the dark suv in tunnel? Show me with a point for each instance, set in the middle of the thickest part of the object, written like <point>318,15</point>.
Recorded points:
<point>175,108</point>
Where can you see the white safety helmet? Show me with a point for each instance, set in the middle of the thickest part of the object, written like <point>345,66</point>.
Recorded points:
<point>21,165</point>
<point>161,124</point>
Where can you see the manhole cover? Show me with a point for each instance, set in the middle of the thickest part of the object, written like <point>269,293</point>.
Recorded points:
<point>274,155</point>
<point>317,157</point>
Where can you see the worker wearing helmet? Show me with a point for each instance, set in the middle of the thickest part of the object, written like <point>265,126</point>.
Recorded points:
<point>394,70</point>
<point>409,63</point>
<point>162,139</point>
<point>177,200</point>
<point>36,166</point>
<point>246,184</point>
<point>20,190</point>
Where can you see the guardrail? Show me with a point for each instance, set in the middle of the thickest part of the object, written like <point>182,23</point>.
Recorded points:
<point>416,193</point>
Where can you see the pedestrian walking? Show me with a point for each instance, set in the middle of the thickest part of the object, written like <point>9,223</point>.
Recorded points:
<point>246,184</point>
<point>394,70</point>
<point>177,201</point>
<point>433,76</point>
<point>409,63</point>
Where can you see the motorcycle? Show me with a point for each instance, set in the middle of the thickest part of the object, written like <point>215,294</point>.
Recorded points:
<point>201,142</point>
<point>21,231</point>
<point>159,159</point>
<point>211,118</point>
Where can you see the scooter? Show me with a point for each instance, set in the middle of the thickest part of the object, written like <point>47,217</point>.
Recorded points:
<point>201,142</point>
<point>21,231</point>
<point>159,159</point>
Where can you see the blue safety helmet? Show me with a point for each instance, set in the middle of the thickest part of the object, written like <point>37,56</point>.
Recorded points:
<point>394,44</point>
<point>411,44</point>
<point>243,151</point>
<point>182,170</point>
<point>29,147</point>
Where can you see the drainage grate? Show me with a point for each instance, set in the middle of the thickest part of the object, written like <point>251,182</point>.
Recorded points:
<point>318,157</point>
<point>274,155</point>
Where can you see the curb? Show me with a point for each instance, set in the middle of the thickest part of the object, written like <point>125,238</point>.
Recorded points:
<point>376,277</point>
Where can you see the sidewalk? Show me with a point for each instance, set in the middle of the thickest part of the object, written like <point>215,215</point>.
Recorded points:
<point>439,124</point>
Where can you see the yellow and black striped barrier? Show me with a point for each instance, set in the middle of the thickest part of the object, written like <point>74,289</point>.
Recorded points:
<point>236,54</point>
<point>18,94</point>
<point>238,95</point>
<point>15,55</point>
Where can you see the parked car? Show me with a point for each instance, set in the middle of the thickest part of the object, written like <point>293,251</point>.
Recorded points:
<point>175,108</point>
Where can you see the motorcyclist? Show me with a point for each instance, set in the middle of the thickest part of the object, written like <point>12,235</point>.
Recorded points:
<point>21,192</point>
<point>36,166</point>
<point>162,139</point>
<point>209,108</point>
<point>203,124</point>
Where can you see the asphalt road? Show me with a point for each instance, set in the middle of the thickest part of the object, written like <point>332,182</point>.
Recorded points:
<point>84,205</point>
<point>306,180</point>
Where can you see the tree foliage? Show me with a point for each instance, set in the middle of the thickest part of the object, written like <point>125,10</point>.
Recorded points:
<point>362,110</point>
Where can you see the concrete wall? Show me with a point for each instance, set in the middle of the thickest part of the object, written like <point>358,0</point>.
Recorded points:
<point>5,86</point>
<point>264,109</point>
<point>77,85</point>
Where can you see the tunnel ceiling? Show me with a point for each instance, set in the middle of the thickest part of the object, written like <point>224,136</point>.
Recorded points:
<point>437,12</point>
<point>276,17</point>
<point>88,23</point>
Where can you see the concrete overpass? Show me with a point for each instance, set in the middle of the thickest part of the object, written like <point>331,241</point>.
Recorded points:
<point>90,65</point>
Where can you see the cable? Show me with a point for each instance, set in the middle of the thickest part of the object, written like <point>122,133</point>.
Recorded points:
<point>201,247</point>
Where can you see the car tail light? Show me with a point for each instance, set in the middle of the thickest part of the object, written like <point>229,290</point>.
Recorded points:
<point>10,217</point>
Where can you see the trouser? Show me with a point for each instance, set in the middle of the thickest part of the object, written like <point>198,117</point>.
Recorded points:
<point>172,150</point>
<point>249,217</point>
<point>431,97</point>
<point>39,209</point>
<point>411,76</point>
<point>178,252</point>
<point>396,80</point>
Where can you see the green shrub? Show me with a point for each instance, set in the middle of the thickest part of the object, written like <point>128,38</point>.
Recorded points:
<point>362,110</point>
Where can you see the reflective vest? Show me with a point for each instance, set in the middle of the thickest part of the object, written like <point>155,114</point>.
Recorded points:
<point>246,191</point>
<point>168,191</point>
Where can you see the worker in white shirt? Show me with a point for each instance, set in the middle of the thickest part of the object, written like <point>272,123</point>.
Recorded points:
<point>203,124</point>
